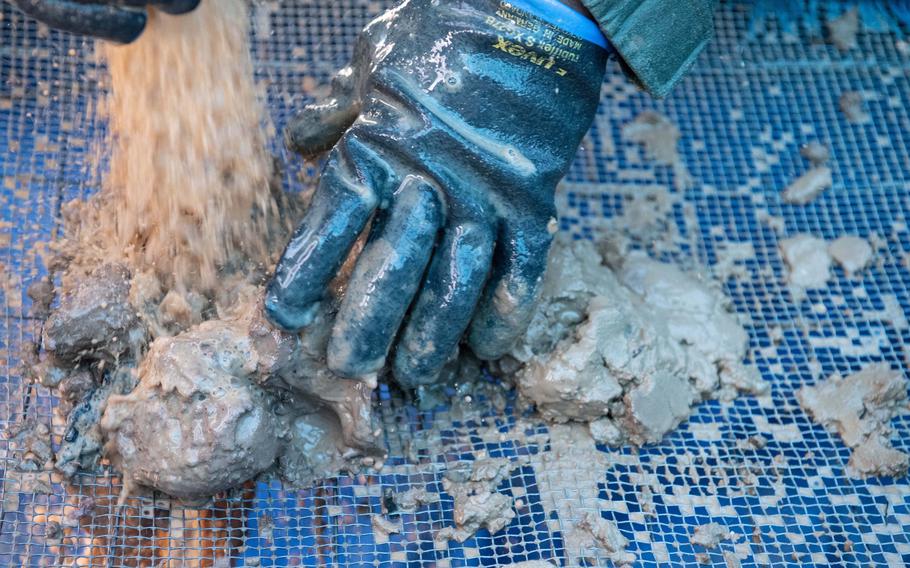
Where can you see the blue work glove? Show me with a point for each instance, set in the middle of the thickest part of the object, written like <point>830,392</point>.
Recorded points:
<point>450,131</point>
<point>116,20</point>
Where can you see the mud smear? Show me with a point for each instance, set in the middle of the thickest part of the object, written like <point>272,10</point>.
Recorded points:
<point>813,182</point>
<point>605,534</point>
<point>842,30</point>
<point>853,105</point>
<point>660,139</point>
<point>816,152</point>
<point>859,409</point>
<point>558,467</point>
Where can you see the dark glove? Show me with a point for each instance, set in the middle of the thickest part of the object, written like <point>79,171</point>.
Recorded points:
<point>116,20</point>
<point>450,130</point>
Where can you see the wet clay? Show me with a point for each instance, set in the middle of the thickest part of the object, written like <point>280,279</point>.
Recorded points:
<point>557,467</point>
<point>83,442</point>
<point>808,186</point>
<point>220,403</point>
<point>221,397</point>
<point>859,409</point>
<point>851,253</point>
<point>629,348</point>
<point>816,152</point>
<point>153,349</point>
<point>809,260</point>
<point>808,263</point>
<point>198,422</point>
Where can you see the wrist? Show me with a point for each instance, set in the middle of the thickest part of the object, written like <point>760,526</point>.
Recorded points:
<point>569,15</point>
<point>578,7</point>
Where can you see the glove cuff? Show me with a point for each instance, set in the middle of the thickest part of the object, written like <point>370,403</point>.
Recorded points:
<point>560,15</point>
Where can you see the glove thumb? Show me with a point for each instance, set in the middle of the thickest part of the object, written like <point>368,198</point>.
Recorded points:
<point>319,126</point>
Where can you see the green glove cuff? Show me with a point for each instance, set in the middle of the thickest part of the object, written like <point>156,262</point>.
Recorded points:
<point>658,40</point>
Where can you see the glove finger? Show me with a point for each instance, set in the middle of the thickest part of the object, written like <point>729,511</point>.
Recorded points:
<point>342,205</point>
<point>385,280</point>
<point>445,305</point>
<point>112,23</point>
<point>510,296</point>
<point>175,7</point>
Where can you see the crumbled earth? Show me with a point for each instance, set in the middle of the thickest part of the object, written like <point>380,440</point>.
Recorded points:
<point>607,536</point>
<point>859,409</point>
<point>477,503</point>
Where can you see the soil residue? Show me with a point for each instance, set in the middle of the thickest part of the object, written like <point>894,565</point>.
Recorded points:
<point>477,503</point>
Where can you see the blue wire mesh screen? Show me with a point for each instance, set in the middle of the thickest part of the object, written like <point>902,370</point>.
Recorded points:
<point>757,95</point>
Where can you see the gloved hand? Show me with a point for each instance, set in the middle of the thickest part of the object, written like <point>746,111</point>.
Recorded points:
<point>116,20</point>
<point>451,129</point>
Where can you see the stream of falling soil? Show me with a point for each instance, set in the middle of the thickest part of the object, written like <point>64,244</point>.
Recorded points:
<point>187,188</point>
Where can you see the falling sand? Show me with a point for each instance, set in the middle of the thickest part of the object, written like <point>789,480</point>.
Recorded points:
<point>187,190</point>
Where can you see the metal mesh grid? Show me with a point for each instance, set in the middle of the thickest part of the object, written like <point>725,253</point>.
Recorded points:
<point>754,98</point>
